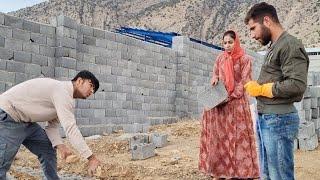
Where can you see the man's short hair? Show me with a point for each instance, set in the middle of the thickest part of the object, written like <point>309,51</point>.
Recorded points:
<point>258,11</point>
<point>84,74</point>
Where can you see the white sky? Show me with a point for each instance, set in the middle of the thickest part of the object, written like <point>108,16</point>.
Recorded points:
<point>13,5</point>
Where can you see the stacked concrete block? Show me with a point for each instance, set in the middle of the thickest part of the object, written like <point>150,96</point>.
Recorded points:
<point>308,110</point>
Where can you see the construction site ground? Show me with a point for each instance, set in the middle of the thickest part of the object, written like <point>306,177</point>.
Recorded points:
<point>177,160</point>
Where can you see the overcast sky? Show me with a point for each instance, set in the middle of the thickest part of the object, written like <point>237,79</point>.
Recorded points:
<point>13,5</point>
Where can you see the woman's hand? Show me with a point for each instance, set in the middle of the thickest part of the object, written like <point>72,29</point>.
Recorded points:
<point>214,81</point>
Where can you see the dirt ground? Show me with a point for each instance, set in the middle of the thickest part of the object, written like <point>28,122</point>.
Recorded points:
<point>177,160</point>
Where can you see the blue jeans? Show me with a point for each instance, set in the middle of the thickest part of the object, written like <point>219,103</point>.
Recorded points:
<point>276,134</point>
<point>33,137</point>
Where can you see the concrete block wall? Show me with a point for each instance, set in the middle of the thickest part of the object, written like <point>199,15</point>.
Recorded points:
<point>140,82</point>
<point>26,51</point>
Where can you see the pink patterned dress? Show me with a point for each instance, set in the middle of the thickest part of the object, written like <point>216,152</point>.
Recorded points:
<point>227,143</point>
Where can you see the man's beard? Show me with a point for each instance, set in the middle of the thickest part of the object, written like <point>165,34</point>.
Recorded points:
<point>266,35</point>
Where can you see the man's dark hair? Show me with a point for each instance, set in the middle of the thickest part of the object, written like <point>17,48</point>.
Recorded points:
<point>84,74</point>
<point>258,11</point>
<point>230,33</point>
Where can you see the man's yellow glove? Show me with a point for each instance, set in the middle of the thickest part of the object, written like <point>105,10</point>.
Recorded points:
<point>255,89</point>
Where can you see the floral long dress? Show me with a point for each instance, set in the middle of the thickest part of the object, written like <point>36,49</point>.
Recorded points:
<point>227,143</point>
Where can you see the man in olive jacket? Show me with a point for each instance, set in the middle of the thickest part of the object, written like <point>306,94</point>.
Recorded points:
<point>282,81</point>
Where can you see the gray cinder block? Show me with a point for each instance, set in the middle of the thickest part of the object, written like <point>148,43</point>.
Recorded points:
<point>5,32</point>
<point>306,130</point>
<point>143,151</point>
<point>22,56</point>
<point>159,140</point>
<point>133,128</point>
<point>47,30</point>
<point>315,113</point>
<point>138,139</point>
<point>6,54</point>
<point>13,44</point>
<point>31,26</point>
<point>13,21</point>
<point>314,102</point>
<point>315,91</point>
<point>309,144</point>
<point>21,34</point>
<point>316,123</point>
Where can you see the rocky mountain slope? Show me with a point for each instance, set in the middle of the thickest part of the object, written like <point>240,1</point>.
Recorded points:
<point>201,19</point>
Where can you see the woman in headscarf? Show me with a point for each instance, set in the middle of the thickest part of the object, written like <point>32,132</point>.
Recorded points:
<point>227,143</point>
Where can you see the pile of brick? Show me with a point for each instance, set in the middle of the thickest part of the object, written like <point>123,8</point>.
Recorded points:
<point>309,113</point>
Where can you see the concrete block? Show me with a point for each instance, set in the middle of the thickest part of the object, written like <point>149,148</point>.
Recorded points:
<point>33,69</point>
<point>89,40</point>
<point>66,62</point>
<point>66,32</point>
<point>315,113</point>
<point>318,133</point>
<point>13,44</point>
<point>31,26</point>
<point>38,38</point>
<point>51,42</point>
<point>66,52</point>
<point>2,18</point>
<point>306,103</point>
<point>143,151</point>
<point>314,102</point>
<point>316,123</point>
<point>315,91</point>
<point>3,63</point>
<point>5,32</point>
<point>47,71</point>
<point>110,36</point>
<point>302,116</point>
<point>86,30</point>
<point>98,33</point>
<point>62,20</point>
<point>39,59</point>
<point>6,54</point>
<point>66,42</point>
<point>47,30</point>
<point>13,66</point>
<point>31,47</point>
<point>22,56</point>
<point>20,77</point>
<point>295,144</point>
<point>309,144</point>
<point>133,128</point>
<point>47,51</point>
<point>212,97</point>
<point>8,77</point>
<point>306,130</point>
<point>159,140</point>
<point>308,115</point>
<point>137,139</point>
<point>21,34</point>
<point>13,21</point>
<point>2,41</point>
<point>61,72</point>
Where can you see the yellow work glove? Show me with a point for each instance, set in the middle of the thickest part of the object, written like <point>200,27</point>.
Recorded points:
<point>255,89</point>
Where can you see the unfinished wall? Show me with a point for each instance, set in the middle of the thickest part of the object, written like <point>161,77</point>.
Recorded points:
<point>141,83</point>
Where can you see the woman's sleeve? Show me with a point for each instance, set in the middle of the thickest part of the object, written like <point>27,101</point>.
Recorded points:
<point>245,65</point>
